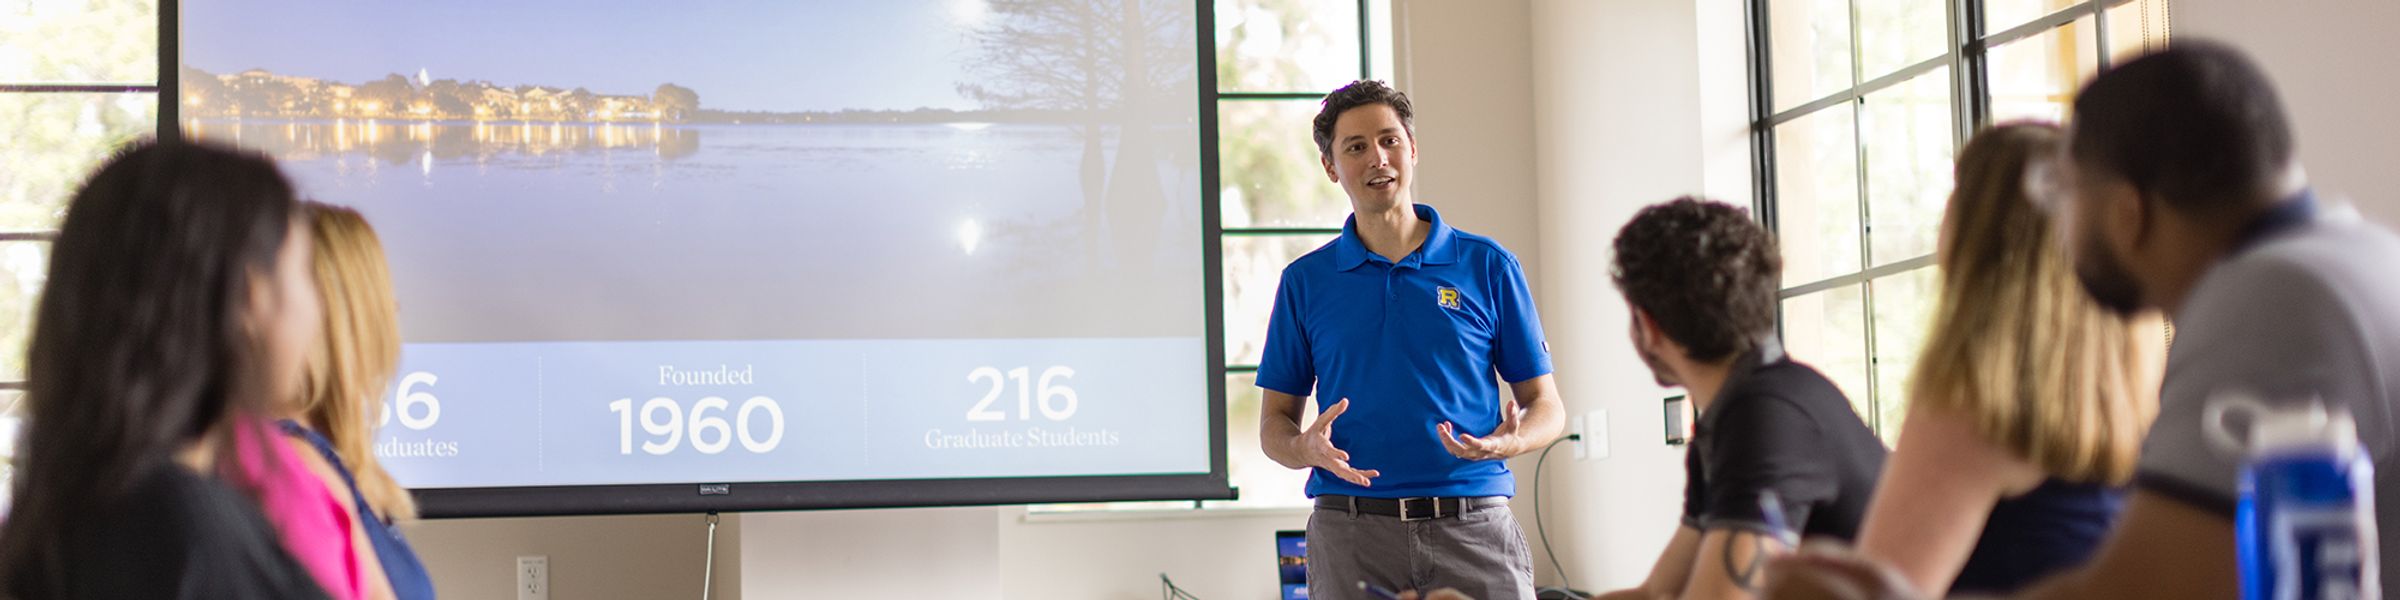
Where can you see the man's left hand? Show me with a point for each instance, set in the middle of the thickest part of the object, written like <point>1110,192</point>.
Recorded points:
<point>1501,444</point>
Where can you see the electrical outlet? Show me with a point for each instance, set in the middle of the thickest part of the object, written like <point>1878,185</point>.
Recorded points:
<point>533,578</point>
<point>1595,435</point>
<point>1575,426</point>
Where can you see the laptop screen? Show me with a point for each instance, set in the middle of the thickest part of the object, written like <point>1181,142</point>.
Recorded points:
<point>1291,563</point>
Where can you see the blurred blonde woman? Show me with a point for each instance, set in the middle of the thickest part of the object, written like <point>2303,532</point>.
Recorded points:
<point>343,399</point>
<point>2028,403</point>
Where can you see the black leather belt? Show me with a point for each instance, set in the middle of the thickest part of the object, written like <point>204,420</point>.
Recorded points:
<point>1407,509</point>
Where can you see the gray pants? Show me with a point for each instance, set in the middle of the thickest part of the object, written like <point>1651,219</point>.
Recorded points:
<point>1482,553</point>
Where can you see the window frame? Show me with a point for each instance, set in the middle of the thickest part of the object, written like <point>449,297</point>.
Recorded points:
<point>1966,58</point>
<point>164,129</point>
<point>166,21</point>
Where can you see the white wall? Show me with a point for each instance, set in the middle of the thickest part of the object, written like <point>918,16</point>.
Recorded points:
<point>629,557</point>
<point>1635,103</point>
<point>931,553</point>
<point>1468,69</point>
<point>1000,553</point>
<point>1617,107</point>
<point>2332,61</point>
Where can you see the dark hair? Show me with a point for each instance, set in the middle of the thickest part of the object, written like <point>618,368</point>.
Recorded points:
<point>2196,124</point>
<point>139,336</point>
<point>1360,93</point>
<point>1704,271</point>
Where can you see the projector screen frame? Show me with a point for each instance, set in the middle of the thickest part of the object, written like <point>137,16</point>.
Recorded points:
<point>737,496</point>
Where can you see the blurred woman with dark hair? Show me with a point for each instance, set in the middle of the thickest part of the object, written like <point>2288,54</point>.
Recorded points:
<point>178,305</point>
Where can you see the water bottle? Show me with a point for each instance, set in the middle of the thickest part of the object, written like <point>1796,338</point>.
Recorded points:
<point>2304,524</point>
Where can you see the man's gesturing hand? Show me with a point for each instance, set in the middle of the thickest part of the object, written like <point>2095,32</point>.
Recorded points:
<point>1500,445</point>
<point>1316,448</point>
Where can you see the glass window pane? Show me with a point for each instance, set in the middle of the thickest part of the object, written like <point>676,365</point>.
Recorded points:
<point>80,41</point>
<point>54,141</point>
<point>2003,15</point>
<point>1907,130</point>
<point>1286,45</point>
<point>1897,33</point>
<point>1268,163</point>
<point>2135,28</point>
<point>1816,195</point>
<point>1903,309</point>
<point>1264,484</point>
<point>2036,77</point>
<point>1810,49</point>
<point>24,267</point>
<point>1828,330</point>
<point>11,410</point>
<point>1253,269</point>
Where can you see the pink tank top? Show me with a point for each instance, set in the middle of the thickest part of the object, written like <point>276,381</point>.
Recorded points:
<point>306,514</point>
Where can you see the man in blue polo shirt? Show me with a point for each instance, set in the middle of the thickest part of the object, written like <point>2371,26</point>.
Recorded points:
<point>1404,321</point>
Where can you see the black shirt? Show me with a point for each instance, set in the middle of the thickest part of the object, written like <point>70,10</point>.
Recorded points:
<point>176,535</point>
<point>1780,425</point>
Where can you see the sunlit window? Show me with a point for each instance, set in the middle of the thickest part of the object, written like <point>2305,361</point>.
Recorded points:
<point>1859,126</point>
<point>78,79</point>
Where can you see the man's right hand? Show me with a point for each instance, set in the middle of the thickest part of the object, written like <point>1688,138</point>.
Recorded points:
<point>1315,444</point>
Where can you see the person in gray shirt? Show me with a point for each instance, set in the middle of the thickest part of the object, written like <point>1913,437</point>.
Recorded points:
<point>2180,191</point>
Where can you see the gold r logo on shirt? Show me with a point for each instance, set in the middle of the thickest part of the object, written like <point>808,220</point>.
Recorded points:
<point>1447,297</point>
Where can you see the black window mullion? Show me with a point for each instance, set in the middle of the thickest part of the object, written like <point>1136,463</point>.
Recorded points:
<point>1268,96</point>
<point>77,88</point>
<point>1970,75</point>
<point>1763,201</point>
<point>1366,60</point>
<point>1279,231</point>
<point>2036,27</point>
<point>170,70</point>
<point>1762,134</point>
<point>1854,93</point>
<point>2100,36</point>
<point>1866,215</point>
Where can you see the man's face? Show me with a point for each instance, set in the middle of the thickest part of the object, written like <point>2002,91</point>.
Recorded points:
<point>1645,344</point>
<point>2091,213</point>
<point>1373,157</point>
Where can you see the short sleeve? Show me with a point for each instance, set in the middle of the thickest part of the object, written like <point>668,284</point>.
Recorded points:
<point>1287,365</point>
<point>1519,351</point>
<point>2263,328</point>
<point>1695,489</point>
<point>1764,443</point>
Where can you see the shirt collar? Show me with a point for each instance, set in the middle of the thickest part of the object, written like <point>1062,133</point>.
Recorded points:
<point>1768,350</point>
<point>2298,210</point>
<point>1350,251</point>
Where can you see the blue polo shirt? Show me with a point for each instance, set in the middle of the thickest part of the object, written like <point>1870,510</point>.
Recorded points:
<point>1411,344</point>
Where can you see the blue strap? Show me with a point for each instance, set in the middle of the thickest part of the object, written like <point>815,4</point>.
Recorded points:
<point>325,449</point>
<point>407,574</point>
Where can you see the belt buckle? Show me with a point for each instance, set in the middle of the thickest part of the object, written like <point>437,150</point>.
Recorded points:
<point>1407,517</point>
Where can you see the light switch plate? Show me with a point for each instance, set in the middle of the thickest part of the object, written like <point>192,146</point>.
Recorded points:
<point>1595,435</point>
